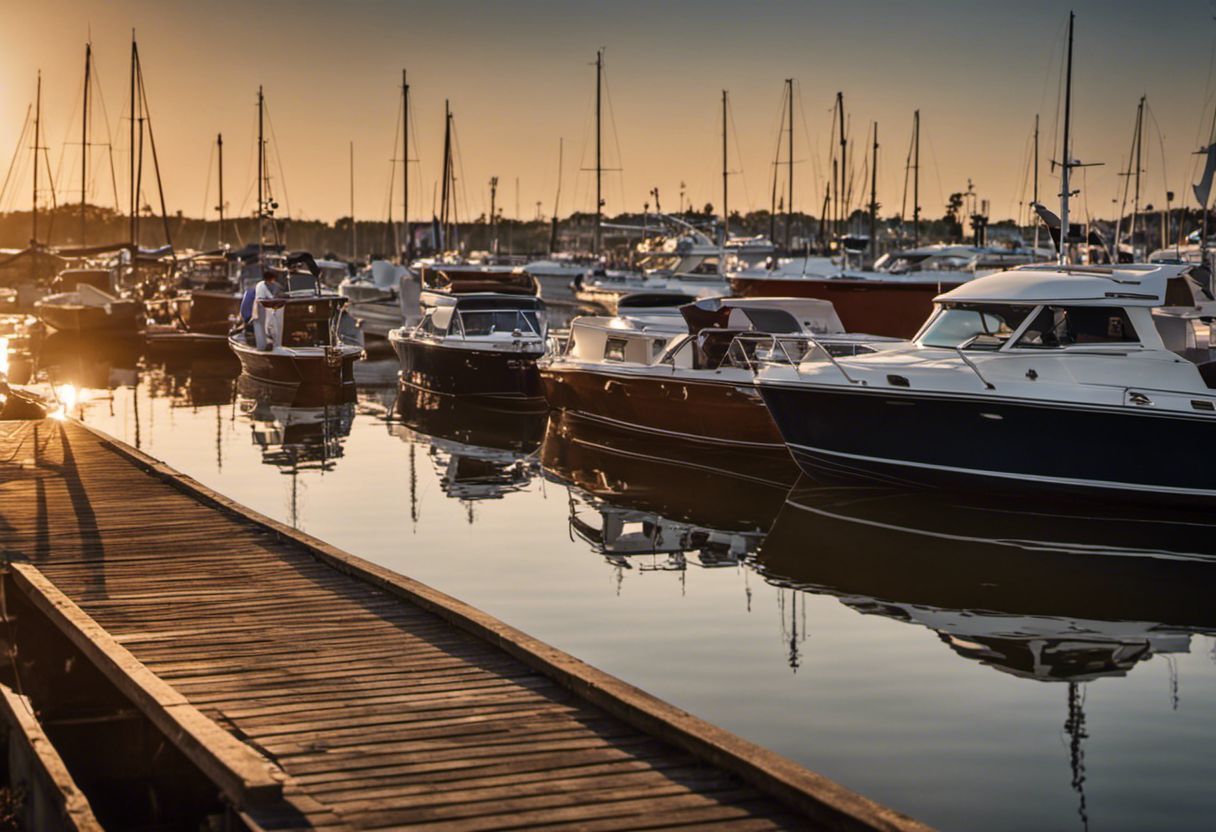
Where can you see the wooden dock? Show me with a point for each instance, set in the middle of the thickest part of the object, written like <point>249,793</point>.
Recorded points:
<point>317,690</point>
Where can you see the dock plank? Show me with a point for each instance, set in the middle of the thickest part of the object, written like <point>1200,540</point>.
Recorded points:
<point>379,701</point>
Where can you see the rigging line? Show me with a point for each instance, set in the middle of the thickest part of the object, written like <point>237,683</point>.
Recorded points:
<point>816,179</point>
<point>1027,164</point>
<point>616,140</point>
<point>105,119</point>
<point>250,177</point>
<point>392,160</point>
<point>202,237</point>
<point>417,160</point>
<point>25,126</point>
<point>903,203</point>
<point>68,130</point>
<point>730,111</point>
<point>278,159</point>
<point>1165,185</point>
<point>160,185</point>
<point>937,172</point>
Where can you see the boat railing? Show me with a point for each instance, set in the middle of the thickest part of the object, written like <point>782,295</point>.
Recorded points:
<point>756,350</point>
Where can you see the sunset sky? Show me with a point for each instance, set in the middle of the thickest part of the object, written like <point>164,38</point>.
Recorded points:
<point>520,76</point>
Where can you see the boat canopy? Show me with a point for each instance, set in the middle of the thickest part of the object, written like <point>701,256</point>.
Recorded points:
<point>772,315</point>
<point>1141,284</point>
<point>483,300</point>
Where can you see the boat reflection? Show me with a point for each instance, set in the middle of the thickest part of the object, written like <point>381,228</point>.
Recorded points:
<point>194,380</point>
<point>1049,593</point>
<point>296,435</point>
<point>482,452</point>
<point>634,495</point>
<point>95,361</point>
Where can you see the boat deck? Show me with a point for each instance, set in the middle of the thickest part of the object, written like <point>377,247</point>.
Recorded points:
<point>322,691</point>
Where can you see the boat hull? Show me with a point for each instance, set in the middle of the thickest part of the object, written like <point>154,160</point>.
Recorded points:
<point>878,307</point>
<point>706,411</point>
<point>958,441</point>
<point>456,371</point>
<point>297,369</point>
<point>376,318</point>
<point>123,316</point>
<point>212,311</point>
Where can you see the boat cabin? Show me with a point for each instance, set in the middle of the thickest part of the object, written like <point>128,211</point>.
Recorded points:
<point>482,316</point>
<point>1084,310</point>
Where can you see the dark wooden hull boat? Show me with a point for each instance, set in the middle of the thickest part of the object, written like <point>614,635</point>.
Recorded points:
<point>66,313</point>
<point>297,366</point>
<point>464,371</point>
<point>707,411</point>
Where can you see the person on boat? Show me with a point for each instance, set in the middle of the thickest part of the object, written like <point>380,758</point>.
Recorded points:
<point>264,320</point>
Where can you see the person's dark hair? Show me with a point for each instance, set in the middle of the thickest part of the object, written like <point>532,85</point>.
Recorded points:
<point>270,274</point>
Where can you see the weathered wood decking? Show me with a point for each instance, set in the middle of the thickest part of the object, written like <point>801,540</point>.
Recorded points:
<point>356,697</point>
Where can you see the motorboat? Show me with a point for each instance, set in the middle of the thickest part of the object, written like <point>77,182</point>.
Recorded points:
<point>317,342</point>
<point>1079,379</point>
<point>478,335</point>
<point>558,275</point>
<point>86,300</point>
<point>893,298</point>
<point>381,297</point>
<point>688,376</point>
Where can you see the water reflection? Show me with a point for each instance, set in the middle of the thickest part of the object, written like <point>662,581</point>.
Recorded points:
<point>1045,593</point>
<point>482,452</point>
<point>632,495</point>
<point>295,434</point>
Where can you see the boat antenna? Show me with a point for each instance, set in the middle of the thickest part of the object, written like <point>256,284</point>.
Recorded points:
<point>354,229</point>
<point>842,199</point>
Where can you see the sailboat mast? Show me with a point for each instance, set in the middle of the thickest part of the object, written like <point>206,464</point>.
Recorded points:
<point>1066,161</point>
<point>599,166</point>
<point>789,203</point>
<point>874,197</point>
<point>84,138</point>
<point>219,143</point>
<point>405,166</point>
<point>916,179</point>
<point>1036,181</point>
<point>261,169</point>
<point>447,170</point>
<point>134,222</point>
<point>725,175</point>
<point>1136,196</point>
<point>842,202</point>
<point>37,147</point>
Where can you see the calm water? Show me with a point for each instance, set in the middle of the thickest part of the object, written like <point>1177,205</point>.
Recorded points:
<point>978,666</point>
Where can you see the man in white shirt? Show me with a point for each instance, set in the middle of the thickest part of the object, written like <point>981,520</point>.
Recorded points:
<point>265,329</point>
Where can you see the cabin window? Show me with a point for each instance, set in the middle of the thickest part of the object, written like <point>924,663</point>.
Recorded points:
<point>1065,326</point>
<point>614,349</point>
<point>491,322</point>
<point>978,326</point>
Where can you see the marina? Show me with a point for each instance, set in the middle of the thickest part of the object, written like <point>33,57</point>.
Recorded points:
<point>491,478</point>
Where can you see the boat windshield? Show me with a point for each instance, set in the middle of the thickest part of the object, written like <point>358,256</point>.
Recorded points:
<point>978,326</point>
<point>489,322</point>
